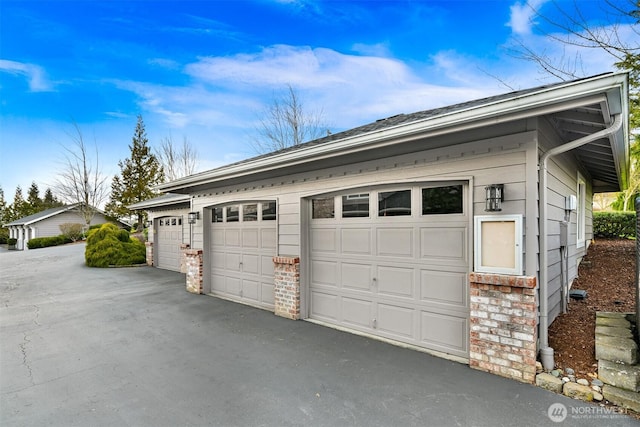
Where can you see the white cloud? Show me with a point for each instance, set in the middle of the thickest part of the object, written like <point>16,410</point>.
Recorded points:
<point>522,16</point>
<point>35,75</point>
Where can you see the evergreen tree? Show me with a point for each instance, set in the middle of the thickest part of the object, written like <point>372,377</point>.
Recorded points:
<point>19,208</point>
<point>4,232</point>
<point>138,174</point>
<point>49,200</point>
<point>34,203</point>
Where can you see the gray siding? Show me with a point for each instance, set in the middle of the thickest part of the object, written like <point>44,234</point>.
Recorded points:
<point>51,226</point>
<point>562,182</point>
<point>499,159</point>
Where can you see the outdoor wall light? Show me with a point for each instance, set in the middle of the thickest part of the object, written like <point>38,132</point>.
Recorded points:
<point>495,197</point>
<point>193,217</point>
<point>149,223</point>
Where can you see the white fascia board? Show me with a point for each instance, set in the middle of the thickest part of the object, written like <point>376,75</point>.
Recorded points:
<point>541,102</point>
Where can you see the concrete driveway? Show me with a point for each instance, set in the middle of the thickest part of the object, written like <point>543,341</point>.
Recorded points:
<point>129,347</point>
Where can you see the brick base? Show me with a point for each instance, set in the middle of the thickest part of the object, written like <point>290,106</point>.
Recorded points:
<point>504,324</point>
<point>287,287</point>
<point>149,253</point>
<point>183,257</point>
<point>194,270</point>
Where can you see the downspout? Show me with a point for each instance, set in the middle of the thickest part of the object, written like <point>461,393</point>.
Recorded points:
<point>544,244</point>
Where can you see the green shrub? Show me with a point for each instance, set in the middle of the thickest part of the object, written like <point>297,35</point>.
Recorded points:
<point>614,224</point>
<point>12,241</point>
<point>45,242</point>
<point>110,245</point>
<point>73,231</point>
<point>4,235</point>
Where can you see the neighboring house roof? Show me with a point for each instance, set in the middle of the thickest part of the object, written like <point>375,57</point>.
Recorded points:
<point>27,220</point>
<point>586,105</point>
<point>48,213</point>
<point>165,200</point>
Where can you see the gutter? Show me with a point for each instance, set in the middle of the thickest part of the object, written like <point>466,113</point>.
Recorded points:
<point>544,244</point>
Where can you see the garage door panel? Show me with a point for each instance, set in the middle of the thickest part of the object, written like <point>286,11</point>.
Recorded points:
<point>356,241</point>
<point>232,237</point>
<point>324,306</point>
<point>217,238</point>
<point>444,287</point>
<point>268,238</point>
<point>232,262</point>
<point>169,239</point>
<point>233,285</point>
<point>440,244</point>
<point>250,263</point>
<point>323,240</point>
<point>267,293</point>
<point>446,331</point>
<point>396,281</point>
<point>266,266</point>
<point>218,283</point>
<point>250,238</point>
<point>251,290</point>
<point>396,320</point>
<point>397,242</point>
<point>356,276</point>
<point>357,312</point>
<point>324,272</point>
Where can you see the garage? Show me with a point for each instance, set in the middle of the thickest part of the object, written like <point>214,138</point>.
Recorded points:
<point>393,262</point>
<point>243,244</point>
<point>169,231</point>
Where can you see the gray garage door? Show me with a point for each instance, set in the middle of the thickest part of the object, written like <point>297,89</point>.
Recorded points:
<point>169,231</point>
<point>394,263</point>
<point>243,244</point>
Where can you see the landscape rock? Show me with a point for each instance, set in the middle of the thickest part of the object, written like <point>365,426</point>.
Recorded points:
<point>569,371</point>
<point>578,391</point>
<point>566,379</point>
<point>619,375</point>
<point>549,382</point>
<point>625,398</point>
<point>582,381</point>
<point>539,368</point>
<point>597,397</point>
<point>614,332</point>
<point>597,383</point>
<point>616,349</point>
<point>613,322</point>
<point>556,372</point>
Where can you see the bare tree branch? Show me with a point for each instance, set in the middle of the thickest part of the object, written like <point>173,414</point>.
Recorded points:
<point>177,161</point>
<point>285,123</point>
<point>80,180</point>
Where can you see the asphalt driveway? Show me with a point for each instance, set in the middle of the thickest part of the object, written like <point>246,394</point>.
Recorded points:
<point>130,347</point>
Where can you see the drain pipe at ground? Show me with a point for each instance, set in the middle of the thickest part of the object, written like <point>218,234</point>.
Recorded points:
<point>546,352</point>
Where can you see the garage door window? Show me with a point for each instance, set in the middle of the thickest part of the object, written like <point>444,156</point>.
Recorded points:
<point>216,215</point>
<point>394,203</point>
<point>323,208</point>
<point>442,200</point>
<point>355,206</point>
<point>233,214</point>
<point>249,213</point>
<point>269,211</point>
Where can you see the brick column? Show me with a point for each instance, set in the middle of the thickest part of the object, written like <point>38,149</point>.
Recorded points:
<point>287,286</point>
<point>194,270</point>
<point>149,246</point>
<point>504,323</point>
<point>183,257</point>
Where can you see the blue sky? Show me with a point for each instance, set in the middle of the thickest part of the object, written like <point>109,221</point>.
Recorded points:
<point>205,70</point>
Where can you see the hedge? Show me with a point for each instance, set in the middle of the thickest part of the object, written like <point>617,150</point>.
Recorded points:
<point>111,246</point>
<point>45,242</point>
<point>614,224</point>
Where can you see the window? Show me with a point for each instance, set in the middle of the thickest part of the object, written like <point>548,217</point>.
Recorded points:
<point>216,215</point>
<point>394,203</point>
<point>442,200</point>
<point>173,221</point>
<point>581,212</point>
<point>161,223</point>
<point>249,213</point>
<point>269,211</point>
<point>355,205</point>
<point>179,221</point>
<point>323,208</point>
<point>233,214</point>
